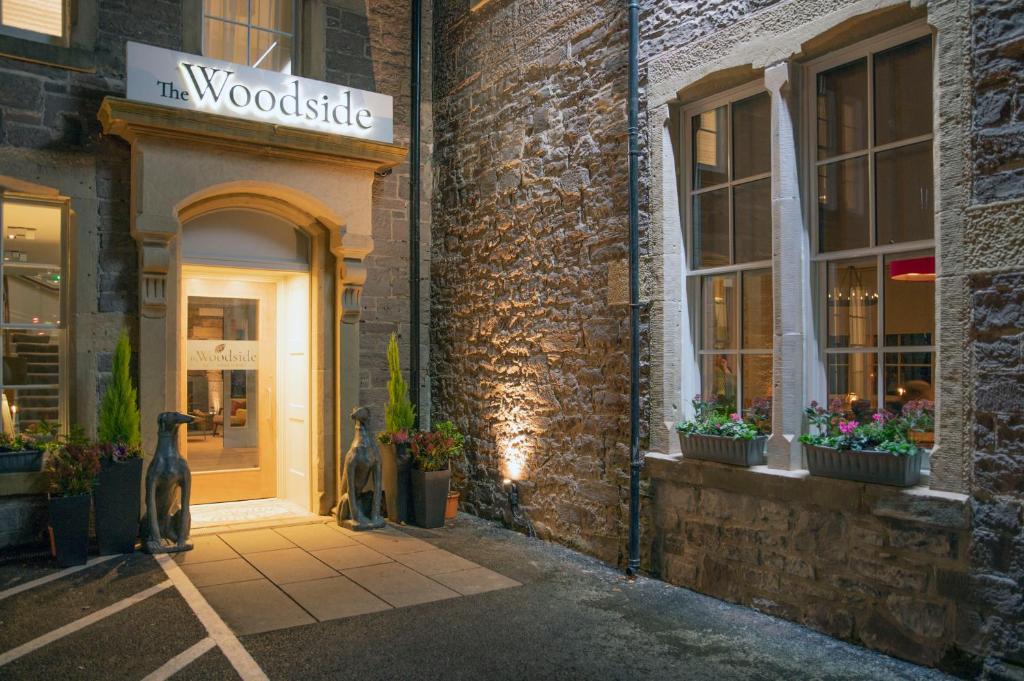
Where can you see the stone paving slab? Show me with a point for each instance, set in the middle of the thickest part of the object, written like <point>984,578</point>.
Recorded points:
<point>399,585</point>
<point>289,565</point>
<point>255,606</point>
<point>476,581</point>
<point>206,549</point>
<point>315,537</point>
<point>434,562</point>
<point>334,598</point>
<point>254,541</point>
<point>221,572</point>
<point>345,557</point>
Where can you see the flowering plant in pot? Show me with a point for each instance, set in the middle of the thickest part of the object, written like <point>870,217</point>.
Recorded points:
<point>71,470</point>
<point>431,453</point>
<point>399,419</point>
<point>24,452</point>
<point>881,450</point>
<point>448,428</point>
<point>118,489</point>
<point>714,434</point>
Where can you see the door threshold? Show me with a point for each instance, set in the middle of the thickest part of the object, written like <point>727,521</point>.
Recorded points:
<point>243,514</point>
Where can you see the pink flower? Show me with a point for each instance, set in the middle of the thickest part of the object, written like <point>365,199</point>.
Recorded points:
<point>847,427</point>
<point>878,417</point>
<point>736,418</point>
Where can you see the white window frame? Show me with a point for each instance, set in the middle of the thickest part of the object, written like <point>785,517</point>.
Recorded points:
<point>694,276</point>
<point>250,27</point>
<point>817,365</point>
<point>63,40</point>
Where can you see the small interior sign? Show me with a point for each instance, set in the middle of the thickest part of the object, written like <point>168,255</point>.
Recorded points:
<point>221,355</point>
<point>189,81</point>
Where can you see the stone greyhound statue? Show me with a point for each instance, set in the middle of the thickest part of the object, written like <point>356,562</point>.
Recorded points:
<point>161,531</point>
<point>359,507</point>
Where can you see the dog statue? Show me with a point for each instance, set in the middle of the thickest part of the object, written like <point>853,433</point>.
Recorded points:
<point>358,509</point>
<point>162,532</point>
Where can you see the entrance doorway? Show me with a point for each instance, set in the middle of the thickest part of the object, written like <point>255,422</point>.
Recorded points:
<point>246,359</point>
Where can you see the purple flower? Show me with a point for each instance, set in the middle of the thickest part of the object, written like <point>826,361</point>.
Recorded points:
<point>847,427</point>
<point>736,418</point>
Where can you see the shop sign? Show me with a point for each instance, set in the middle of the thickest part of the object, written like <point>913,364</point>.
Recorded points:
<point>221,355</point>
<point>189,81</point>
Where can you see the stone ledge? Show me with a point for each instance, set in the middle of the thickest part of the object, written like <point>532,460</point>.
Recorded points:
<point>914,504</point>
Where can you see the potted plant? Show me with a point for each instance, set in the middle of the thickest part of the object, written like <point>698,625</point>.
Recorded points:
<point>431,474</point>
<point>713,434</point>
<point>119,487</point>
<point>71,471</point>
<point>399,419</point>
<point>882,451</point>
<point>448,429</point>
<point>23,452</point>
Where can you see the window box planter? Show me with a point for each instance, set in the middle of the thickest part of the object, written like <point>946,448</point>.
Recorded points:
<point>117,499</point>
<point>23,461</point>
<point>734,451</point>
<point>429,497</point>
<point>872,466</point>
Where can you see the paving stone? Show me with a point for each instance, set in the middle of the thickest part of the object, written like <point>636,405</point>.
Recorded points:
<point>289,565</point>
<point>254,541</point>
<point>206,549</point>
<point>346,557</point>
<point>435,562</point>
<point>399,585</point>
<point>476,581</point>
<point>252,607</point>
<point>315,537</point>
<point>391,542</point>
<point>221,572</point>
<point>334,597</point>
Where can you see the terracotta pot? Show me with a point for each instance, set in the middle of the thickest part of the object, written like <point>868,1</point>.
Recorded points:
<point>451,509</point>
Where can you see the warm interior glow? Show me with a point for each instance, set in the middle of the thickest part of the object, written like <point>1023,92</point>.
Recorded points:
<point>38,16</point>
<point>913,269</point>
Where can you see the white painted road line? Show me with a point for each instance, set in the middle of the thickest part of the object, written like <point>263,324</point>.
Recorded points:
<point>56,575</point>
<point>229,644</point>
<point>180,661</point>
<point>78,624</point>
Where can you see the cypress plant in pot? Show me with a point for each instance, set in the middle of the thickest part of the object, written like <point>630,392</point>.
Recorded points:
<point>431,474</point>
<point>399,419</point>
<point>71,469</point>
<point>118,489</point>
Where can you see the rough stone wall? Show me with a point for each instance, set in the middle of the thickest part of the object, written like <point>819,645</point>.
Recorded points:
<point>367,46</point>
<point>866,563</point>
<point>998,121</point>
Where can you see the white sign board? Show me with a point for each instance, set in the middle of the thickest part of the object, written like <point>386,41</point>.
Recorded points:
<point>220,355</point>
<point>188,81</point>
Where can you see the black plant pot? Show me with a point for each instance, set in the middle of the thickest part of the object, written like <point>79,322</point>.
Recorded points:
<point>396,462</point>
<point>429,496</point>
<point>69,523</point>
<point>118,501</point>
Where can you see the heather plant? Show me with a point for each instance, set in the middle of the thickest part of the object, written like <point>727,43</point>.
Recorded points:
<point>887,432</point>
<point>399,414</point>
<point>711,419</point>
<point>71,469</point>
<point>119,412</point>
<point>432,451</point>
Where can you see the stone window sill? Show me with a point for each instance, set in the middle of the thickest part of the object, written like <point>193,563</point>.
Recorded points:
<point>69,58</point>
<point>919,504</point>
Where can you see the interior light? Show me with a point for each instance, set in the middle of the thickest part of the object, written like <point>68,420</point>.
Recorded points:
<point>913,269</point>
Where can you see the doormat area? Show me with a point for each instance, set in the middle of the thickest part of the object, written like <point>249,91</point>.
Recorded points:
<point>237,512</point>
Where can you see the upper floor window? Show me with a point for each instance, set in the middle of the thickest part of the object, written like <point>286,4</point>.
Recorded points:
<point>40,20</point>
<point>259,33</point>
<point>874,222</point>
<point>32,318</point>
<point>730,243</point>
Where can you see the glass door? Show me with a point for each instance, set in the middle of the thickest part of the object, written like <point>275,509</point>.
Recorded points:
<point>230,360</point>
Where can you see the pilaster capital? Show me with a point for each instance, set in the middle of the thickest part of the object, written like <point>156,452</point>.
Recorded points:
<point>776,77</point>
<point>351,278</point>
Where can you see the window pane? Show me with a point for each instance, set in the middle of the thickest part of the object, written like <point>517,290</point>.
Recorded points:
<point>910,376</point>
<point>271,51</point>
<point>276,15</point>
<point>752,216</point>
<point>903,91</point>
<point>751,136</point>
<point>903,194</point>
<point>709,155</point>
<point>757,309</point>
<point>711,228</point>
<point>31,357</point>
<point>718,378</point>
<point>842,109</point>
<point>843,205</point>
<point>235,10</point>
<point>910,300</point>
<point>852,379</point>
<point>30,406</point>
<point>719,312</point>
<point>40,16</point>
<point>225,41</point>
<point>31,262</point>
<point>852,303</point>
<point>757,379</point>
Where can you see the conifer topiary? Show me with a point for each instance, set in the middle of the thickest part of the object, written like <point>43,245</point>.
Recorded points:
<point>119,412</point>
<point>399,415</point>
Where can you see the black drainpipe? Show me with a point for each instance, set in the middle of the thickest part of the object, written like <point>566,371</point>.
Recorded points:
<point>635,462</point>
<point>414,213</point>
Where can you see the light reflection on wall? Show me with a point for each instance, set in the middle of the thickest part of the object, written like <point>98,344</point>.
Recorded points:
<point>514,429</point>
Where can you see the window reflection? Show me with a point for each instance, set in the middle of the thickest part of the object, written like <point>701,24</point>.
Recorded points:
<point>842,109</point>
<point>719,312</point>
<point>852,379</point>
<point>852,298</point>
<point>709,156</point>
